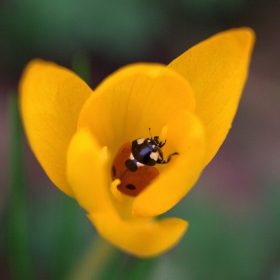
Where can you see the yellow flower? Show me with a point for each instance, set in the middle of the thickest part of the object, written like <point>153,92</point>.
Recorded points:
<point>75,132</point>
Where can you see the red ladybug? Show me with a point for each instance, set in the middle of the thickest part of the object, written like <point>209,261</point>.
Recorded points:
<point>134,162</point>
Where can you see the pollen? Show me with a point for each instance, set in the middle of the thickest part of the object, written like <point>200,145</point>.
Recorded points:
<point>115,192</point>
<point>163,134</point>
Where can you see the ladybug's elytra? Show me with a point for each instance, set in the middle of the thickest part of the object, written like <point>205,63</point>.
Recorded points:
<point>134,162</point>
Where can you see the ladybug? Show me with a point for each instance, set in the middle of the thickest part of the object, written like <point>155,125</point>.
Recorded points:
<point>134,164</point>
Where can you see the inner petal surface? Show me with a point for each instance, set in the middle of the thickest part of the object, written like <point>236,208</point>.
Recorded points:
<point>187,137</point>
<point>133,99</point>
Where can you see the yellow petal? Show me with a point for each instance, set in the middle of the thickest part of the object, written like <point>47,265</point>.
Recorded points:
<point>217,69</point>
<point>147,238</point>
<point>50,101</point>
<point>185,136</point>
<point>133,99</point>
<point>87,172</point>
<point>88,177</point>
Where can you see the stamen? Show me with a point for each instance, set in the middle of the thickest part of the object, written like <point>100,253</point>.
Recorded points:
<point>162,136</point>
<point>115,192</point>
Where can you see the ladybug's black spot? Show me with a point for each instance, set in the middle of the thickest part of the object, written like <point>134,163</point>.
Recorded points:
<point>114,171</point>
<point>130,187</point>
<point>131,165</point>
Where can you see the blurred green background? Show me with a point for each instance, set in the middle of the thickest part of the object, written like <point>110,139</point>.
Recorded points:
<point>234,209</point>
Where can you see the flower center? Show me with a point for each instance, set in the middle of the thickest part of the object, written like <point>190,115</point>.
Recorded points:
<point>134,164</point>
<point>134,176</point>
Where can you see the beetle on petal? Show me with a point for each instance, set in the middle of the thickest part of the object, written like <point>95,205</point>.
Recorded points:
<point>134,164</point>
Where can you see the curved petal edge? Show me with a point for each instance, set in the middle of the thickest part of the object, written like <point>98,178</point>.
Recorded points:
<point>144,239</point>
<point>217,69</point>
<point>51,98</point>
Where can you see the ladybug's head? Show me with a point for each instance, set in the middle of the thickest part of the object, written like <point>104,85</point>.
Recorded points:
<point>158,143</point>
<point>155,141</point>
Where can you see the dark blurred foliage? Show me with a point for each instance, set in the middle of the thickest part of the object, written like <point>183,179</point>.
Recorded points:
<point>112,32</point>
<point>234,210</point>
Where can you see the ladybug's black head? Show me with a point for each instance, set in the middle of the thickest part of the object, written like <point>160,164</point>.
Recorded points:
<point>155,140</point>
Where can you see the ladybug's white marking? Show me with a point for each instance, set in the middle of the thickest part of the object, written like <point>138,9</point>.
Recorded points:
<point>154,156</point>
<point>140,141</point>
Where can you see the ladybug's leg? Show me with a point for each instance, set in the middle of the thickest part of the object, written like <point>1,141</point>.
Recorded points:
<point>161,159</point>
<point>160,156</point>
<point>159,144</point>
<point>170,156</point>
<point>162,144</point>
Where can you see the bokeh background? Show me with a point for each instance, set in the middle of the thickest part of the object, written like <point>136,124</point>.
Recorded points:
<point>234,209</point>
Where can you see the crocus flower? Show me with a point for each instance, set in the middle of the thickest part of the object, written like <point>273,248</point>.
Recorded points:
<point>76,132</point>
